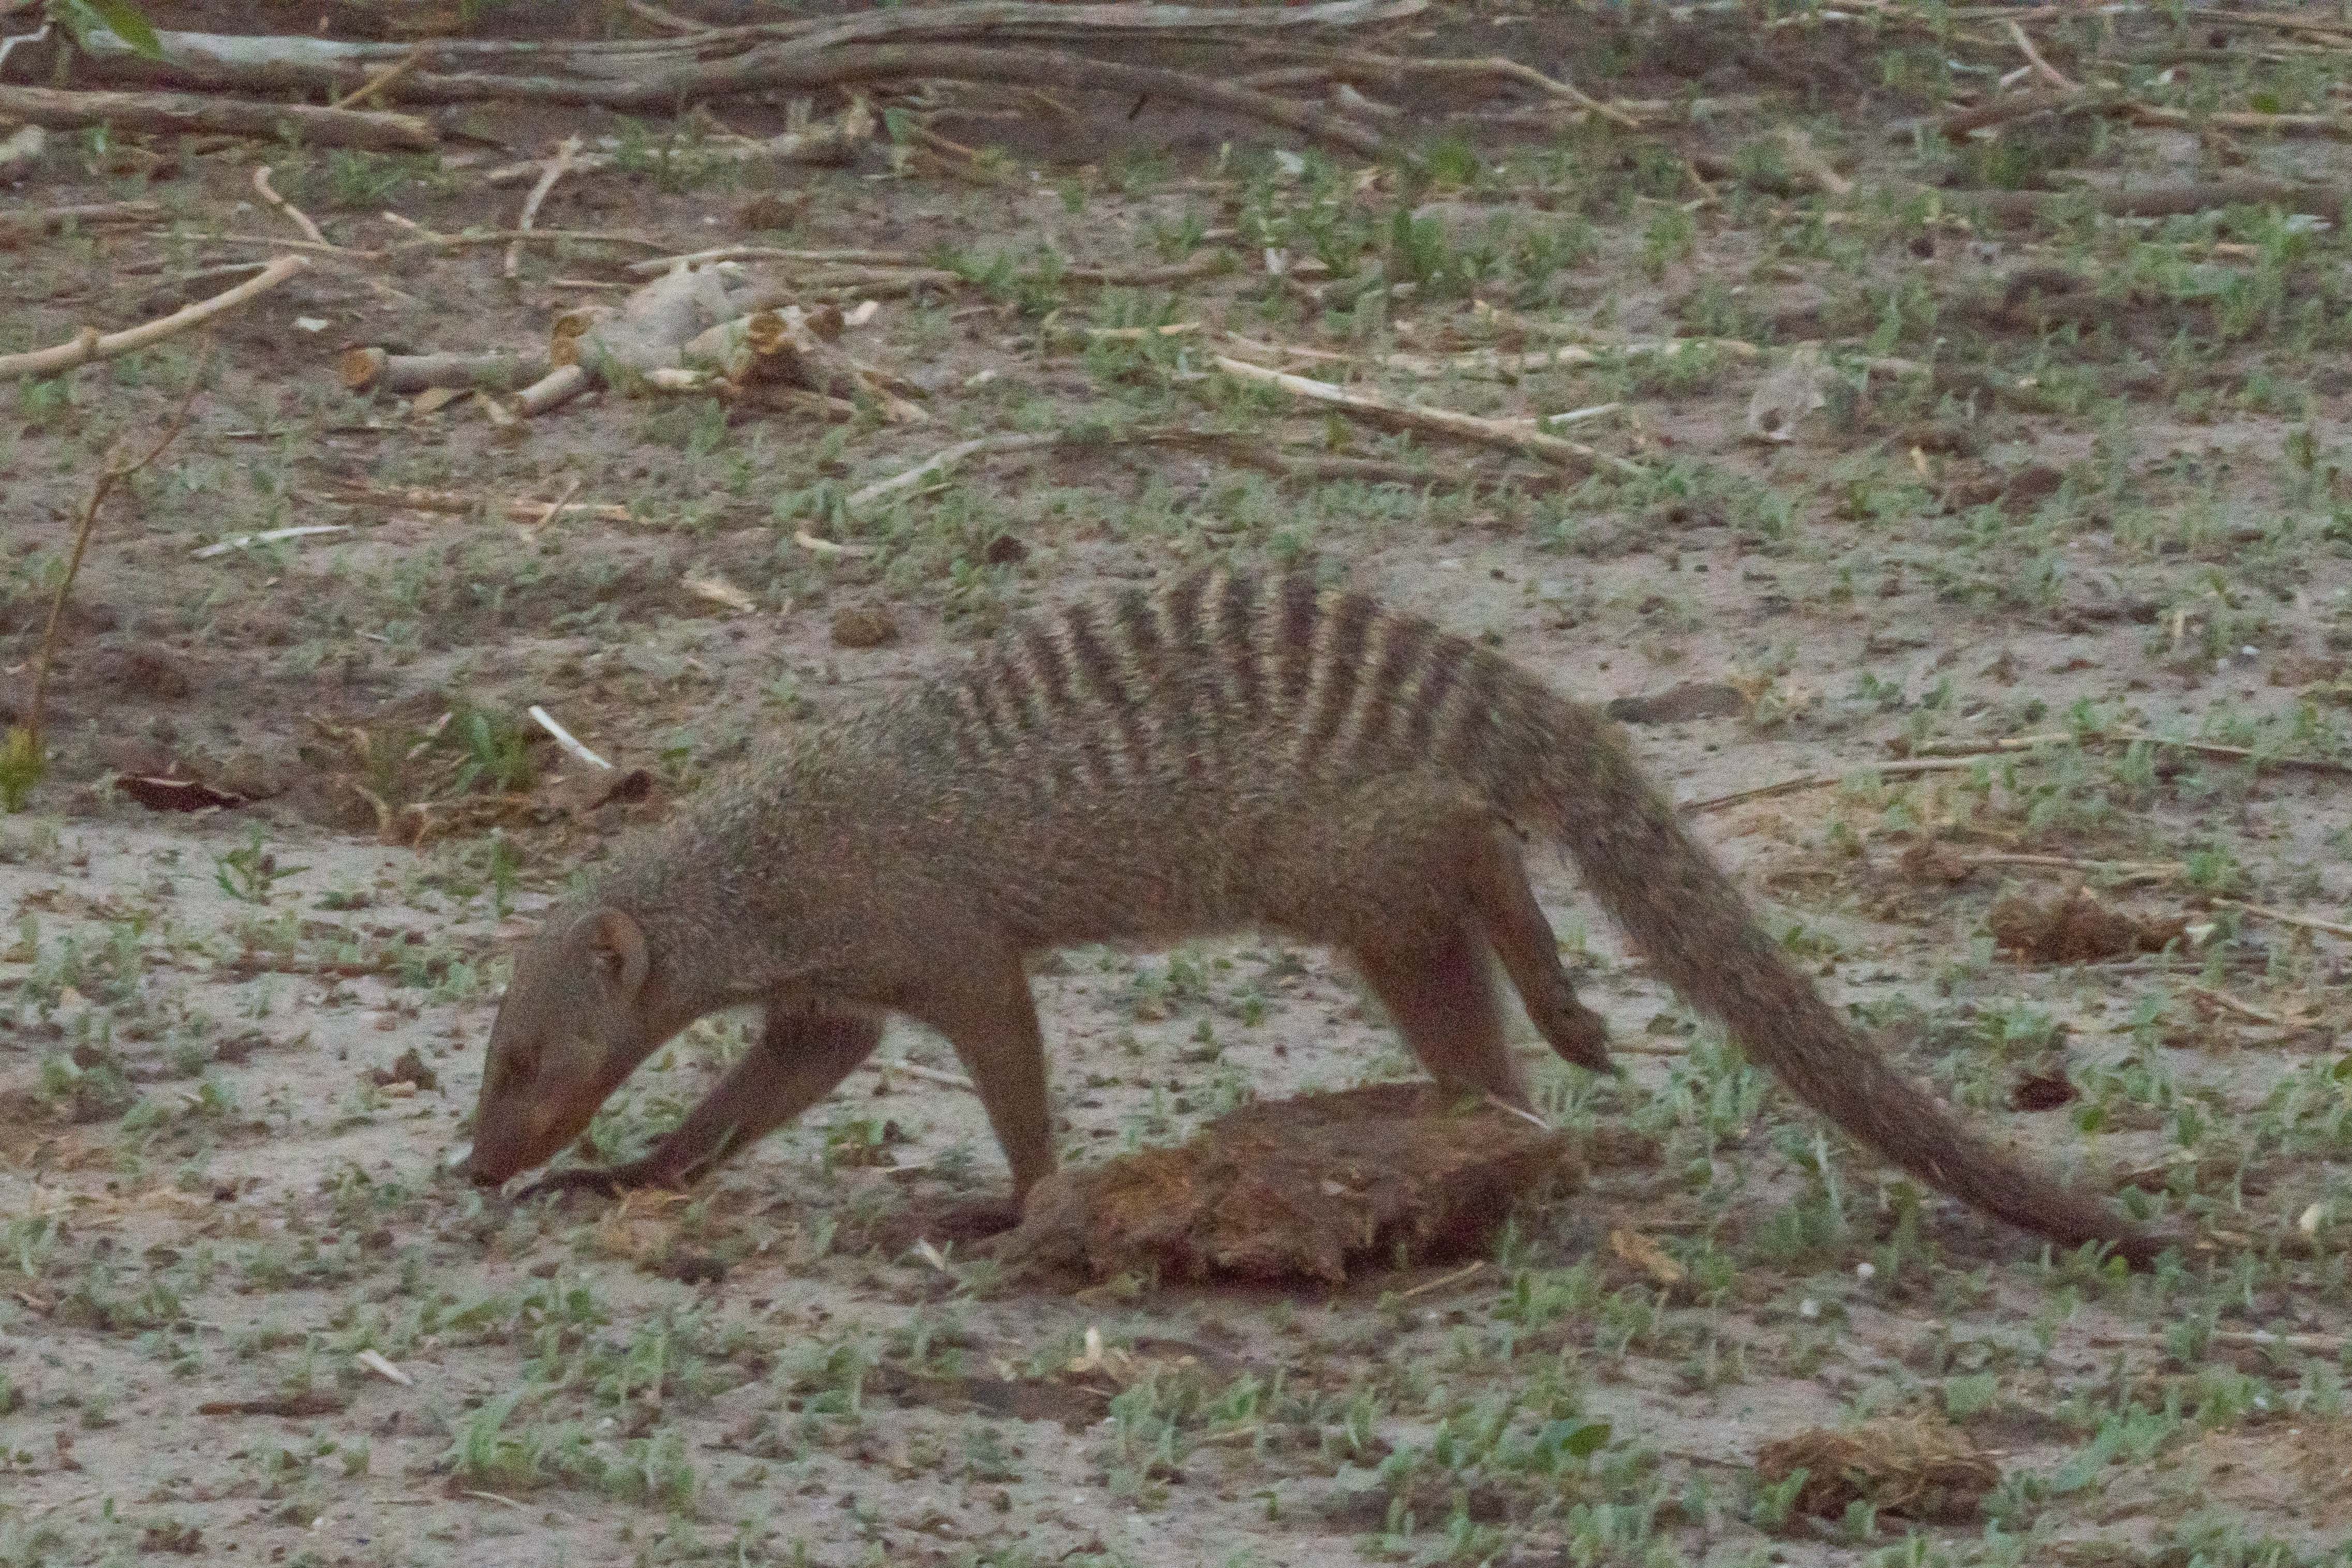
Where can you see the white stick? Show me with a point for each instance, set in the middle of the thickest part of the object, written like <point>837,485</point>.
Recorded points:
<point>565,738</point>
<point>246,541</point>
<point>1579,415</point>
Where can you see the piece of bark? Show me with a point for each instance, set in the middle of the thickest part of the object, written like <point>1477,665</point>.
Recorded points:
<point>179,111</point>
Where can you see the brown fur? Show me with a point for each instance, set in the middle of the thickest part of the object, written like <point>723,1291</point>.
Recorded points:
<point>1228,752</point>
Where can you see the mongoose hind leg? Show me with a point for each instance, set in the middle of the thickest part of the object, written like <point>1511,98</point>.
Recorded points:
<point>985,1011</point>
<point>800,1058</point>
<point>1522,938</point>
<point>1441,997</point>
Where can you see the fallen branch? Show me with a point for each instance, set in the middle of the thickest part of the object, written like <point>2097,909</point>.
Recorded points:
<point>790,65</point>
<point>1248,451</point>
<point>2018,742</point>
<point>374,87</point>
<point>16,226</point>
<point>1961,124</point>
<point>2018,207</point>
<point>286,209</point>
<point>912,271</point>
<point>2042,67</point>
<point>945,459</point>
<point>460,503</point>
<point>818,144</point>
<point>1825,780</point>
<point>219,61</point>
<point>1435,420</point>
<point>2229,1004</point>
<point>90,345</point>
<point>174,111</point>
<point>2282,917</point>
<point>566,151</point>
<point>367,369</point>
<point>1490,361</point>
<point>553,390</point>
<point>246,541</point>
<point>1395,70</point>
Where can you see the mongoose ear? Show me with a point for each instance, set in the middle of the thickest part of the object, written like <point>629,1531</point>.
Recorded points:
<point>621,948</point>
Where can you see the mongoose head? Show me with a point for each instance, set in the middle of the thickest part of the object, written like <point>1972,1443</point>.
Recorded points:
<point>576,1021</point>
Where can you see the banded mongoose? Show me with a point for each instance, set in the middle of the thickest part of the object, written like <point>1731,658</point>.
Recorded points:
<point>1227,752</point>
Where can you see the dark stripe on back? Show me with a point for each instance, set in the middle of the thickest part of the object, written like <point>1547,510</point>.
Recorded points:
<point>1063,701</point>
<point>984,711</point>
<point>1337,672</point>
<point>1403,648</point>
<point>1475,716</point>
<point>1441,672</point>
<point>1294,640</point>
<point>1105,683</point>
<point>1238,637</point>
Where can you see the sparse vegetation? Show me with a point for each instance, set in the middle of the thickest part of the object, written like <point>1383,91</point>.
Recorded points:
<point>2051,590</point>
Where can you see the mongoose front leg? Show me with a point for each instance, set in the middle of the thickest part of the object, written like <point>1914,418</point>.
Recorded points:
<point>1442,1000</point>
<point>800,1058</point>
<point>1514,924</point>
<point>988,1016</point>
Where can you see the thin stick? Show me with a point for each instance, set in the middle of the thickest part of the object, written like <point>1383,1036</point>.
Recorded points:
<point>185,111</point>
<point>286,209</point>
<point>555,507</point>
<point>816,144</point>
<point>2130,737</point>
<point>565,152</point>
<point>1824,780</point>
<point>109,476</point>
<point>246,541</point>
<point>1429,1287</point>
<point>1437,420</point>
<point>53,220</point>
<point>382,80</point>
<point>940,462</point>
<point>899,1064</point>
<point>90,345</point>
<point>1489,361</point>
<point>2042,67</point>
<point>2280,917</point>
<point>565,738</point>
<point>815,546</point>
<point>2229,1004</point>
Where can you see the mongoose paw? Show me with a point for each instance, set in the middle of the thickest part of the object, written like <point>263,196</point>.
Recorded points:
<point>601,1181</point>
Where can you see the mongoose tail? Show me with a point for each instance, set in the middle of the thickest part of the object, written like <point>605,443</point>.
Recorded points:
<point>1691,922</point>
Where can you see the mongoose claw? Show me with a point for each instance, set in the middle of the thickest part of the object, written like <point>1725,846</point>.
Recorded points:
<point>599,1180</point>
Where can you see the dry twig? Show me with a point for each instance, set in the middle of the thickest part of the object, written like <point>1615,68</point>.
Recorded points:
<point>1435,420</point>
<point>566,151</point>
<point>24,742</point>
<point>91,344</point>
<point>180,111</point>
<point>287,210</point>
